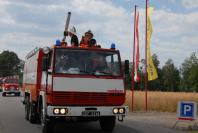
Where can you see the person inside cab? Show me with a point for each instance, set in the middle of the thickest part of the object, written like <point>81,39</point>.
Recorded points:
<point>97,63</point>
<point>62,63</point>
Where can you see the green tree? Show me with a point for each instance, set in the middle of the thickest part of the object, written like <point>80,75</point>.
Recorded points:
<point>128,78</point>
<point>20,72</point>
<point>170,77</point>
<point>9,64</point>
<point>189,74</point>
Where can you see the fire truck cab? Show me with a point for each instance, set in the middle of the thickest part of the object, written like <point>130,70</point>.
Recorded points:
<point>10,86</point>
<point>64,83</point>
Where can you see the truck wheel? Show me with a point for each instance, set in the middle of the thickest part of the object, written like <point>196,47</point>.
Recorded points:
<point>4,94</point>
<point>107,123</point>
<point>32,114</point>
<point>27,108</point>
<point>47,125</point>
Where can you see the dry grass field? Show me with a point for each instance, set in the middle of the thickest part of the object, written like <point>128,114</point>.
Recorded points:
<point>159,101</point>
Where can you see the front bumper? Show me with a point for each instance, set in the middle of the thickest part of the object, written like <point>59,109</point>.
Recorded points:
<point>11,91</point>
<point>80,111</point>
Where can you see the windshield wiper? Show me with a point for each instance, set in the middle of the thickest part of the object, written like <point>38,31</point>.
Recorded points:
<point>85,72</point>
<point>102,73</point>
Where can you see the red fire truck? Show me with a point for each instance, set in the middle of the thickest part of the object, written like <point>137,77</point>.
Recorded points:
<point>65,83</point>
<point>1,83</point>
<point>73,83</point>
<point>10,86</point>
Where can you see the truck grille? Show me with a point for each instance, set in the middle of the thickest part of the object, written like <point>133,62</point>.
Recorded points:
<point>88,98</point>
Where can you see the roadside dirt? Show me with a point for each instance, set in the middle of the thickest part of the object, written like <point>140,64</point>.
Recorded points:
<point>163,119</point>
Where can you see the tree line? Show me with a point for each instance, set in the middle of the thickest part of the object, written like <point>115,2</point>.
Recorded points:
<point>170,78</point>
<point>10,65</point>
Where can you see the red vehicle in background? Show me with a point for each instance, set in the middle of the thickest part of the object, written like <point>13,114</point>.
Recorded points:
<point>1,83</point>
<point>10,86</point>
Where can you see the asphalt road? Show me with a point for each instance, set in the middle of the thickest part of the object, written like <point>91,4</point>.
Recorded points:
<point>12,120</point>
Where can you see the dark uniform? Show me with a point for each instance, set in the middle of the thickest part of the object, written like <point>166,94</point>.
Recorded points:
<point>74,40</point>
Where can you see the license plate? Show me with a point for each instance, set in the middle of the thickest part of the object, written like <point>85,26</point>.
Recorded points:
<point>90,113</point>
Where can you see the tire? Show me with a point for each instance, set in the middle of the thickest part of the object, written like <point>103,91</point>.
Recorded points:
<point>27,108</point>
<point>107,123</point>
<point>47,125</point>
<point>29,111</point>
<point>32,114</point>
<point>4,94</point>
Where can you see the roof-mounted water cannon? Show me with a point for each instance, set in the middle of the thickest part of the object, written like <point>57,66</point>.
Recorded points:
<point>66,26</point>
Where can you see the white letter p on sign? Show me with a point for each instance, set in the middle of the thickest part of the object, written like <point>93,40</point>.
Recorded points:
<point>187,108</point>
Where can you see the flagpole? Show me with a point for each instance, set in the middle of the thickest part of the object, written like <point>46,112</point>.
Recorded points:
<point>133,65</point>
<point>146,74</point>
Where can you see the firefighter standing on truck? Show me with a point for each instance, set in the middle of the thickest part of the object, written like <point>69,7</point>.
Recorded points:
<point>74,38</point>
<point>85,41</point>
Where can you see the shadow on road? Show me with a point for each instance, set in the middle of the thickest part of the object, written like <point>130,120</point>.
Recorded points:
<point>91,127</point>
<point>12,96</point>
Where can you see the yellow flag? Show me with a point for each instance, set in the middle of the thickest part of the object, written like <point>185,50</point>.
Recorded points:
<point>152,73</point>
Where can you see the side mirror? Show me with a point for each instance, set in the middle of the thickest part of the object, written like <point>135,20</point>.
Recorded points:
<point>46,60</point>
<point>45,64</point>
<point>46,50</point>
<point>126,66</point>
<point>49,71</point>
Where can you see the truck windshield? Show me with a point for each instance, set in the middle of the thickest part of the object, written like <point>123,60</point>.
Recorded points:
<point>84,62</point>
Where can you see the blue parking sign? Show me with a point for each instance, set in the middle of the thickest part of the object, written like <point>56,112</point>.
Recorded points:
<point>187,110</point>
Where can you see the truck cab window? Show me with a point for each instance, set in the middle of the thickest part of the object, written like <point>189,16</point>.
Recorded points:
<point>85,62</point>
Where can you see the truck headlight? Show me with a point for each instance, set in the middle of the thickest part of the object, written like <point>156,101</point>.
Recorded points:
<point>62,111</point>
<point>115,110</point>
<point>121,111</point>
<point>56,111</point>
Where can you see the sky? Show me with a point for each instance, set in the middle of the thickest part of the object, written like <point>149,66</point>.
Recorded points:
<point>26,24</point>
